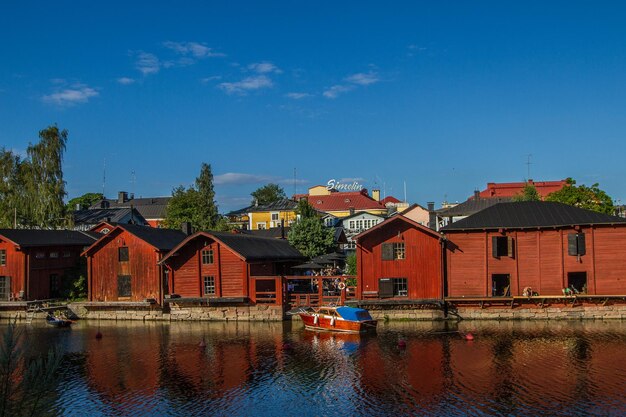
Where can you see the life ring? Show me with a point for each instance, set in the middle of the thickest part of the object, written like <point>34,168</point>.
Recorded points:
<point>341,286</point>
<point>316,319</point>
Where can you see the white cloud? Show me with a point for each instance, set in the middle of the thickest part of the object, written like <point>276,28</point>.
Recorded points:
<point>147,63</point>
<point>211,78</point>
<point>75,94</point>
<point>247,84</point>
<point>235,178</point>
<point>265,68</point>
<point>336,90</point>
<point>195,49</point>
<point>297,96</point>
<point>125,80</point>
<point>362,78</point>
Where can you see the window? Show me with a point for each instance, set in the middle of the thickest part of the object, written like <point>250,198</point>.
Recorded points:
<point>393,251</point>
<point>67,254</point>
<point>576,244</point>
<point>400,287</point>
<point>124,286</point>
<point>501,285</point>
<point>40,255</point>
<point>351,224</point>
<point>261,226</point>
<point>274,217</point>
<point>207,257</point>
<point>209,285</point>
<point>502,246</point>
<point>3,257</point>
<point>54,255</point>
<point>5,288</point>
<point>122,254</point>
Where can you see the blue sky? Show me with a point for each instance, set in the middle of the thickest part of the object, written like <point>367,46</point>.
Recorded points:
<point>445,96</point>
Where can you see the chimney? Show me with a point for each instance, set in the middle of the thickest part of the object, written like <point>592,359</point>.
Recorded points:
<point>122,197</point>
<point>104,204</point>
<point>186,228</point>
<point>132,196</point>
<point>376,195</point>
<point>476,194</point>
<point>282,229</point>
<point>351,211</point>
<point>432,217</point>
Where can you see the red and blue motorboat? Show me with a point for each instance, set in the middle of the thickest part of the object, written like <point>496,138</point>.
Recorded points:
<point>338,319</point>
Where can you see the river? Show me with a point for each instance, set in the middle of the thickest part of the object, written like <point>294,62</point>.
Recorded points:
<point>562,368</point>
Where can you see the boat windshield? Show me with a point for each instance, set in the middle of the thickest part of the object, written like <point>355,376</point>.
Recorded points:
<point>350,313</point>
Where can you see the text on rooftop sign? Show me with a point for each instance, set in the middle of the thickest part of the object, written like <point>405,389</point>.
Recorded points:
<point>333,184</point>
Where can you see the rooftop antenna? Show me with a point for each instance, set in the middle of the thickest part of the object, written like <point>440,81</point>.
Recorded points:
<point>104,175</point>
<point>405,191</point>
<point>133,180</point>
<point>295,189</point>
<point>528,163</point>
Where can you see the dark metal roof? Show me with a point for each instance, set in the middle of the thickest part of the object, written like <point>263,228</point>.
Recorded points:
<point>112,215</point>
<point>274,232</point>
<point>532,214</point>
<point>280,205</point>
<point>472,206</point>
<point>254,248</point>
<point>162,239</point>
<point>150,208</point>
<point>37,237</point>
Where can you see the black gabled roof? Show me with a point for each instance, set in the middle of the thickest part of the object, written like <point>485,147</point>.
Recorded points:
<point>111,215</point>
<point>38,237</point>
<point>472,206</point>
<point>255,248</point>
<point>532,214</point>
<point>280,205</point>
<point>162,239</point>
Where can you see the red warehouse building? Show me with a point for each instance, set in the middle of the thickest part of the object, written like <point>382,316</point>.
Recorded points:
<point>399,258</point>
<point>513,249</point>
<point>227,265</point>
<point>123,265</point>
<point>34,263</point>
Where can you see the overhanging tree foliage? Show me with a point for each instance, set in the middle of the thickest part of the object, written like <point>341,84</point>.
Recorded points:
<point>269,193</point>
<point>590,198</point>
<point>84,201</point>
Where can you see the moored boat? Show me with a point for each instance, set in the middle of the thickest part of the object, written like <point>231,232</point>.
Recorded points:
<point>338,319</point>
<point>56,321</point>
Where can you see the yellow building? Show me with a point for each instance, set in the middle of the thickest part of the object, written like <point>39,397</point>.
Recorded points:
<point>267,216</point>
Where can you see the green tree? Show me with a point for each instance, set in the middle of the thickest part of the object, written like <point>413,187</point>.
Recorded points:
<point>590,198</point>
<point>305,210</point>
<point>11,188</point>
<point>206,215</point>
<point>351,264</point>
<point>310,237</point>
<point>84,201</point>
<point>43,178</point>
<point>195,204</point>
<point>268,194</point>
<point>529,193</point>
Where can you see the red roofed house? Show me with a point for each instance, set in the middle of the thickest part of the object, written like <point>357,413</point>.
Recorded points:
<point>344,203</point>
<point>400,259</point>
<point>510,189</point>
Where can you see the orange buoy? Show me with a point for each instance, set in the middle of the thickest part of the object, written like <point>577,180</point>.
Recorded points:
<point>468,336</point>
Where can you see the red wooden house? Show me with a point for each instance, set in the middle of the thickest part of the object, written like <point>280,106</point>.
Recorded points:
<point>399,258</point>
<point>228,265</point>
<point>542,247</point>
<point>33,263</point>
<point>123,265</point>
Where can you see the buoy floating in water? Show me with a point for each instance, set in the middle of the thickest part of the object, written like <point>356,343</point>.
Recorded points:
<point>202,343</point>
<point>401,344</point>
<point>468,336</point>
<point>287,346</point>
<point>98,335</point>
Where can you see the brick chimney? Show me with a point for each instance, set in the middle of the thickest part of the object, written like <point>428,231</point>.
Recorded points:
<point>432,216</point>
<point>376,195</point>
<point>122,197</point>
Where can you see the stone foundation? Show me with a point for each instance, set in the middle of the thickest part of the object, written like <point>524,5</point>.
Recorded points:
<point>581,312</point>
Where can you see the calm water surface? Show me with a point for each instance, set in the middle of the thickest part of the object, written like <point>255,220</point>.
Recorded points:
<point>276,369</point>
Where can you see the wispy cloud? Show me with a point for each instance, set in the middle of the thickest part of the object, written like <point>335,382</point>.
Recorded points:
<point>414,49</point>
<point>207,80</point>
<point>71,95</point>
<point>298,96</point>
<point>363,78</point>
<point>195,49</point>
<point>336,90</point>
<point>265,68</point>
<point>125,80</point>
<point>147,63</point>
<point>237,178</point>
<point>246,85</point>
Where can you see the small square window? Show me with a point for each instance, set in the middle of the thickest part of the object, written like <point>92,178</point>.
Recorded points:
<point>40,255</point>
<point>54,255</point>
<point>67,254</point>
<point>3,257</point>
<point>123,254</point>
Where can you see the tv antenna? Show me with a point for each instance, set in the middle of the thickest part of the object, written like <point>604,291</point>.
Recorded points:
<point>528,164</point>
